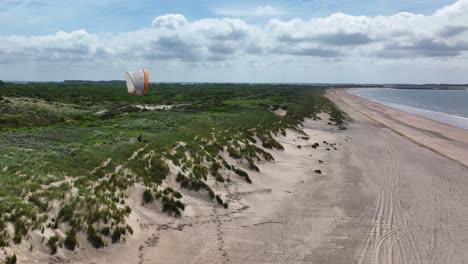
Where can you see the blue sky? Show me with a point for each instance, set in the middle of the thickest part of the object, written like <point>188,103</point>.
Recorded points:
<point>246,41</point>
<point>28,17</point>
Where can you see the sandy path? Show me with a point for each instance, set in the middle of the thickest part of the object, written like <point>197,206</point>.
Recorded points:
<point>416,210</point>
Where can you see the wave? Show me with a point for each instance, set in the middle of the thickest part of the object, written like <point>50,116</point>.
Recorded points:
<point>453,120</point>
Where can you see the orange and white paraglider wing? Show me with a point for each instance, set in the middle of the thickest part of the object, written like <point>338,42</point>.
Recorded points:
<point>130,82</point>
<point>145,88</point>
<point>137,81</point>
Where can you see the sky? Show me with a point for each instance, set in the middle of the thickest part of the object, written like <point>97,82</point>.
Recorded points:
<point>299,41</point>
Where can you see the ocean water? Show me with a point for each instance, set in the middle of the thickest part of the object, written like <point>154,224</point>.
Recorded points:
<point>445,106</point>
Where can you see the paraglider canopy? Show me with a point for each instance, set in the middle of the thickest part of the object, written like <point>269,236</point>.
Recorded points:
<point>137,81</point>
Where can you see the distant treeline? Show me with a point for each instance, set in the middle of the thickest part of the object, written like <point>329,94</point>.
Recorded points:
<point>430,86</point>
<point>111,82</point>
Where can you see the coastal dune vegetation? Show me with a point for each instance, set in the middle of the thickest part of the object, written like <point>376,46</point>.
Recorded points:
<point>69,151</point>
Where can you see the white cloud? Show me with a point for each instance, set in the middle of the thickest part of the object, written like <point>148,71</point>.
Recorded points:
<point>171,21</point>
<point>259,11</point>
<point>350,41</point>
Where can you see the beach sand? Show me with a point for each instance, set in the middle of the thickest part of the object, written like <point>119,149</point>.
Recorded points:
<point>393,191</point>
<point>412,172</point>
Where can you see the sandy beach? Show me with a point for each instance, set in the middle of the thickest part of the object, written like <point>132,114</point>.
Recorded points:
<point>412,172</point>
<point>391,189</point>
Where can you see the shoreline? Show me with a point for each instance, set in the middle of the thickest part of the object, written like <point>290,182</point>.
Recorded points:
<point>457,121</point>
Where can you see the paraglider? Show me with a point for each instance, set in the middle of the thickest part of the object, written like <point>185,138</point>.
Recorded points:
<point>137,81</point>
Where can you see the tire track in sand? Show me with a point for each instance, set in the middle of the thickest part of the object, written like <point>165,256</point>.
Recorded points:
<point>441,245</point>
<point>389,238</point>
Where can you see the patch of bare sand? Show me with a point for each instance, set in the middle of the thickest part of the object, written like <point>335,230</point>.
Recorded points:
<point>158,107</point>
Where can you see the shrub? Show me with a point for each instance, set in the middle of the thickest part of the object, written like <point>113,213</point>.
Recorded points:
<point>3,238</point>
<point>253,167</point>
<point>240,172</point>
<point>129,229</point>
<point>219,178</point>
<point>226,165</point>
<point>17,238</point>
<point>177,194</point>
<point>65,213</point>
<point>318,171</point>
<point>219,200</point>
<point>233,154</point>
<point>169,207</point>
<point>105,231</point>
<point>118,232</point>
<point>211,194</point>
<point>94,238</point>
<point>70,241</point>
<point>52,244</point>
<point>10,259</point>
<point>247,179</point>
<point>147,197</point>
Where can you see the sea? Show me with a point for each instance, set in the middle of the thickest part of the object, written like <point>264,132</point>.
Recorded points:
<point>445,106</point>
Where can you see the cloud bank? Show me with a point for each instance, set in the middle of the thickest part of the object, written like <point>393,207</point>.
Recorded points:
<point>176,44</point>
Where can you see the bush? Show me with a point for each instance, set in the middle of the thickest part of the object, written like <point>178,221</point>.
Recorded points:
<point>169,207</point>
<point>52,244</point>
<point>247,179</point>
<point>253,167</point>
<point>129,229</point>
<point>233,154</point>
<point>227,166</point>
<point>105,231</point>
<point>10,259</point>
<point>3,238</point>
<point>118,232</point>
<point>219,200</point>
<point>147,197</point>
<point>94,238</point>
<point>17,238</point>
<point>65,213</point>
<point>177,194</point>
<point>70,241</point>
<point>240,172</point>
<point>219,178</point>
<point>318,171</point>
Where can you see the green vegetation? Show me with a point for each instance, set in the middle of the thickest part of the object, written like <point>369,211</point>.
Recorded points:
<point>52,244</point>
<point>73,145</point>
<point>70,241</point>
<point>10,259</point>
